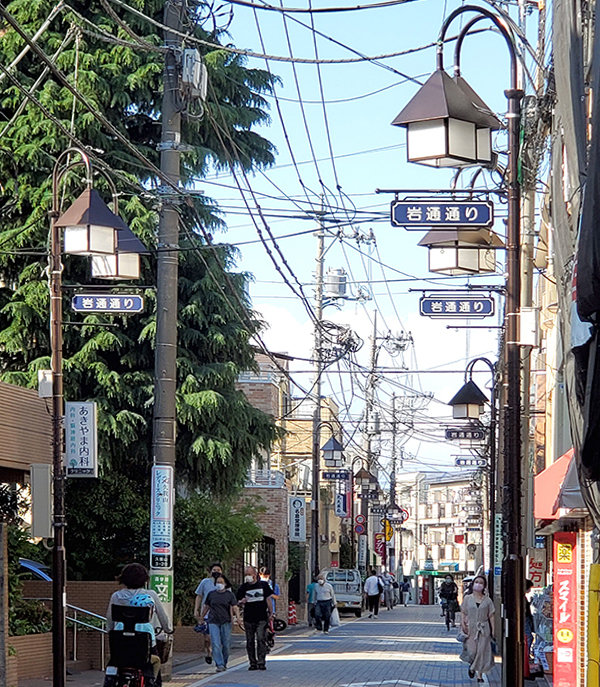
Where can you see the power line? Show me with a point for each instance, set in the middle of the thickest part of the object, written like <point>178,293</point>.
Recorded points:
<point>319,10</point>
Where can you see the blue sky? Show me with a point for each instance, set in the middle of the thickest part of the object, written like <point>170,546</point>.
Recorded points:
<point>357,150</point>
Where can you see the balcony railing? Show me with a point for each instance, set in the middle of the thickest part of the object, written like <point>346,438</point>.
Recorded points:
<point>272,479</point>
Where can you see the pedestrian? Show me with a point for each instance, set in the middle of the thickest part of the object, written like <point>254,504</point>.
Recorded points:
<point>206,586</point>
<point>326,602</point>
<point>254,594</point>
<point>372,590</point>
<point>405,591</point>
<point>477,622</point>
<point>265,576</point>
<point>220,608</point>
<point>386,582</point>
<point>311,600</point>
<point>528,626</point>
<point>449,597</point>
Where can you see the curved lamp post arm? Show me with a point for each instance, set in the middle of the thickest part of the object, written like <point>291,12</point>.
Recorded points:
<point>483,13</point>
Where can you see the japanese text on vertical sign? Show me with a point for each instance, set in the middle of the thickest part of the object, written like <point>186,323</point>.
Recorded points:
<point>565,609</point>
<point>81,440</point>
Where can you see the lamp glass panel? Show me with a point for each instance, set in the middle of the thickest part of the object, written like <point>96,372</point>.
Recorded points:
<point>466,411</point>
<point>484,145</point>
<point>116,266</point>
<point>453,261</point>
<point>88,239</point>
<point>426,141</point>
<point>462,140</point>
<point>487,260</point>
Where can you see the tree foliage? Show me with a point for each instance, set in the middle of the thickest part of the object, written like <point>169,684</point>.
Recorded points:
<point>111,359</point>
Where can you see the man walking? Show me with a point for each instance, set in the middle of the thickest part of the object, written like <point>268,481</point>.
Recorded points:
<point>405,591</point>
<point>206,586</point>
<point>325,604</point>
<point>388,590</point>
<point>373,590</point>
<point>311,601</point>
<point>253,594</point>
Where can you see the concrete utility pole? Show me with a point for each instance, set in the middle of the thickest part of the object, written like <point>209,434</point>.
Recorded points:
<point>164,426</point>
<point>392,557</point>
<point>316,429</point>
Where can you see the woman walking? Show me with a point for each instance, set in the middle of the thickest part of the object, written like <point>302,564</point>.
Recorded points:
<point>221,607</point>
<point>477,622</point>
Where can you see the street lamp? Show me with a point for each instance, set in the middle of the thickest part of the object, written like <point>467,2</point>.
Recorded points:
<point>89,227</point>
<point>442,121</point>
<point>468,403</point>
<point>462,251</point>
<point>333,453</point>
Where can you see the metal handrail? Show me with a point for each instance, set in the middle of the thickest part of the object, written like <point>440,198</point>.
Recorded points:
<point>76,622</point>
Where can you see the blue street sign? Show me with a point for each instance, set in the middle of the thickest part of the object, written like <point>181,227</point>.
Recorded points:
<point>470,462</point>
<point>434,215</point>
<point>339,474</point>
<point>455,305</point>
<point>466,434</point>
<point>107,302</point>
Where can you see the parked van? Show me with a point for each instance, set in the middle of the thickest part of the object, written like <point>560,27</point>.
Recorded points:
<point>348,588</point>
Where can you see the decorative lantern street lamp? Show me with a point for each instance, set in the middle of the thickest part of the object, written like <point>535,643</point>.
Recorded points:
<point>468,403</point>
<point>333,453</point>
<point>447,124</point>
<point>365,480</point>
<point>89,228</point>
<point>462,251</point>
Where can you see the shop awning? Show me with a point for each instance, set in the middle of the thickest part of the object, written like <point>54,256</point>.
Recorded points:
<point>570,495</point>
<point>547,488</point>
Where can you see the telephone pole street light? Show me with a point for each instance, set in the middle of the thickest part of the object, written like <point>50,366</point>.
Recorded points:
<point>448,125</point>
<point>90,228</point>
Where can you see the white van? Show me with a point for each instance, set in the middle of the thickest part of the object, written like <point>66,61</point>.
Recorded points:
<point>348,588</point>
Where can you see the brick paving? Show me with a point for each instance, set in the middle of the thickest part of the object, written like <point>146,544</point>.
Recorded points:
<point>405,647</point>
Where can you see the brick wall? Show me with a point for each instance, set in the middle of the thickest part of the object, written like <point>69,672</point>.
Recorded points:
<point>91,596</point>
<point>34,655</point>
<point>274,523</point>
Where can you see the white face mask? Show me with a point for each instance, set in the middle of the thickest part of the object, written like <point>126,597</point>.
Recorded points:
<point>321,582</point>
<point>478,587</point>
<point>249,579</point>
<point>220,586</point>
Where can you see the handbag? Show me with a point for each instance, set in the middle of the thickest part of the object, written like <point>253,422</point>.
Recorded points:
<point>493,642</point>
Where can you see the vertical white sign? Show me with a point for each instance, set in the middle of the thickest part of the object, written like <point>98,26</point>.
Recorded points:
<point>297,518</point>
<point>341,510</point>
<point>161,535</point>
<point>362,551</point>
<point>81,440</point>
<point>498,546</point>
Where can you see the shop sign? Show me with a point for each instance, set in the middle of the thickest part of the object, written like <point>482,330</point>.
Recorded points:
<point>297,518</point>
<point>380,544</point>
<point>565,609</point>
<point>536,567</point>
<point>81,439</point>
<point>362,551</point>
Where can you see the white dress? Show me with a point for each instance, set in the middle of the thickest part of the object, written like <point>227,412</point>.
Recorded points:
<point>477,650</point>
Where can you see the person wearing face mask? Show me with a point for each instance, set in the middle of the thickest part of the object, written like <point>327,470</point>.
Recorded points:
<point>325,604</point>
<point>206,586</point>
<point>253,594</point>
<point>477,622</point>
<point>265,576</point>
<point>220,608</point>
<point>449,597</point>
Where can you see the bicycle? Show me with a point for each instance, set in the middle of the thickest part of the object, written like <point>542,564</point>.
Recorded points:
<point>450,609</point>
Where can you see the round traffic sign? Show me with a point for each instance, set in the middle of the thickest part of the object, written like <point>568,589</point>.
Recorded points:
<point>359,529</point>
<point>360,519</point>
<point>404,514</point>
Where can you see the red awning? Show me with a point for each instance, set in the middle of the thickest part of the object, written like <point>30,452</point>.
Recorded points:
<point>546,487</point>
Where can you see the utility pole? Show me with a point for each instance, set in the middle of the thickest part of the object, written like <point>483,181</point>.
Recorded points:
<point>165,375</point>
<point>316,428</point>
<point>392,558</point>
<point>368,437</point>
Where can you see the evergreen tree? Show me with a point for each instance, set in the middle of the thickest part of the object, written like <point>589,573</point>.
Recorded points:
<point>219,432</point>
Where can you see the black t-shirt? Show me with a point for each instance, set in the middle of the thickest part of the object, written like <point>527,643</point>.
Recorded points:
<point>220,604</point>
<point>256,595</point>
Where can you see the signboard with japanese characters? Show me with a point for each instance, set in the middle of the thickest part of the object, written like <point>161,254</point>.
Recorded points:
<point>380,544</point>
<point>337,475</point>
<point>362,551</point>
<point>565,609</point>
<point>107,302</point>
<point>468,434</point>
<point>297,518</point>
<point>460,462</point>
<point>443,215</point>
<point>163,586</point>
<point>340,507</point>
<point>456,306</point>
<point>368,495</point>
<point>536,567</point>
<point>81,440</point>
<point>161,517</point>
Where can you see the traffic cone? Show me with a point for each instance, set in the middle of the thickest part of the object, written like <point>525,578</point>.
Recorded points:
<point>292,617</point>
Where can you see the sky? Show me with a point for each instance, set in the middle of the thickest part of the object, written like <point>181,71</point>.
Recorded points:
<point>335,147</point>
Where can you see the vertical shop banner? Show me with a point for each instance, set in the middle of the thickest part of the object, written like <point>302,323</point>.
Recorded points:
<point>536,567</point>
<point>297,522</point>
<point>565,609</point>
<point>81,439</point>
<point>362,551</point>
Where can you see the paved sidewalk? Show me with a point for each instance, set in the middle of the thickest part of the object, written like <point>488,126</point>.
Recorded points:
<point>405,647</point>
